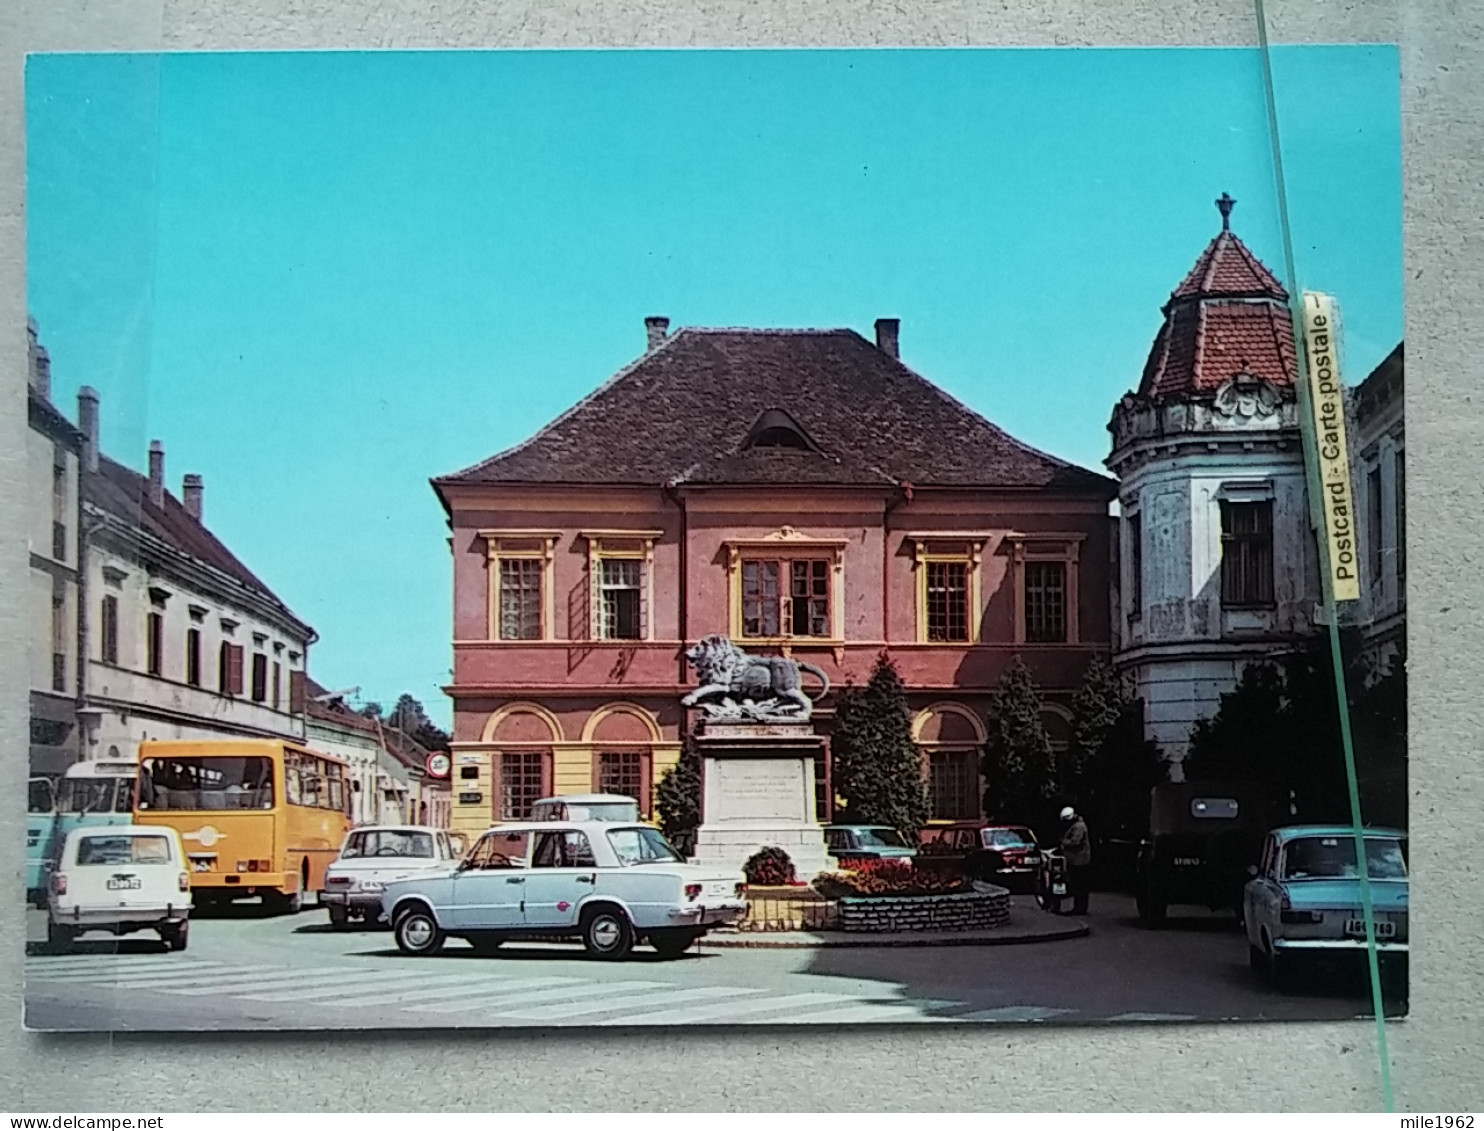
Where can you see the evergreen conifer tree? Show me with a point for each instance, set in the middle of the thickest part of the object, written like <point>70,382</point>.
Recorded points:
<point>877,768</point>
<point>1018,760</point>
<point>677,797</point>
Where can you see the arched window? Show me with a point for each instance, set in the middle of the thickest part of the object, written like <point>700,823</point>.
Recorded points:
<point>776,429</point>
<point>952,739</point>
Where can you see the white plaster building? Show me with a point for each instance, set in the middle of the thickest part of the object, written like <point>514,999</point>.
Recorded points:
<point>1217,560</point>
<point>183,640</point>
<point>1378,472</point>
<point>53,456</point>
<point>378,782</point>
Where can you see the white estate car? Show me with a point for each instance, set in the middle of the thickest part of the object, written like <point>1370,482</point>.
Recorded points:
<point>374,855</point>
<point>120,878</point>
<point>607,883</point>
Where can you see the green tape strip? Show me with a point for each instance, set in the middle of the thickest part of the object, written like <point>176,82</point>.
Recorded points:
<point>1311,461</point>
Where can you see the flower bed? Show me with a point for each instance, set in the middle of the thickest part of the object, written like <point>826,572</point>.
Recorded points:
<point>889,878</point>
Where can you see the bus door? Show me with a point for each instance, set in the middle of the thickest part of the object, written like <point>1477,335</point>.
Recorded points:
<point>41,824</point>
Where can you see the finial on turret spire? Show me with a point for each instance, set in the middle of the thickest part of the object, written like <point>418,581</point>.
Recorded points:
<point>1224,204</point>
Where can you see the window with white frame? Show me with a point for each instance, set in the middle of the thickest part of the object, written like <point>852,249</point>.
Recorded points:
<point>621,598</point>
<point>520,584</point>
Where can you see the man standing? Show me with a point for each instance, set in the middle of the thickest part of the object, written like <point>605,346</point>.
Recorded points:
<point>1077,848</point>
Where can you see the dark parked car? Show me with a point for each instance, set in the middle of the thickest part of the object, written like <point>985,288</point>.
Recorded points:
<point>1001,854</point>
<point>1203,837</point>
<point>867,842</point>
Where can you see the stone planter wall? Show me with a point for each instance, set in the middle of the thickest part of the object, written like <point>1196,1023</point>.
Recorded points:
<point>788,909</point>
<point>989,906</point>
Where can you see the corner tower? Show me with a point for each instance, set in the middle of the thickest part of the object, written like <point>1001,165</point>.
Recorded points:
<point>1217,562</point>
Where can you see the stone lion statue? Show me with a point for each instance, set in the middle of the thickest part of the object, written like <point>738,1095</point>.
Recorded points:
<point>735,685</point>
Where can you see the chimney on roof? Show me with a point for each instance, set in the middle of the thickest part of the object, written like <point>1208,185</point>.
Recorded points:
<point>41,362</point>
<point>657,326</point>
<point>87,421</point>
<point>157,473</point>
<point>191,490</point>
<point>888,331</point>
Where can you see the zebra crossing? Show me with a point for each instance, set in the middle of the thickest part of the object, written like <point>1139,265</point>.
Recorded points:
<point>488,993</point>
<point>475,994</point>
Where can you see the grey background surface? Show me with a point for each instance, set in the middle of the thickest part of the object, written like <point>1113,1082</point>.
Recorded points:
<point>1319,1067</point>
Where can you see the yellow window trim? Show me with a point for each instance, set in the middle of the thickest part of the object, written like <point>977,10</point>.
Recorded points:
<point>595,555</point>
<point>786,545</point>
<point>499,546</point>
<point>971,555</point>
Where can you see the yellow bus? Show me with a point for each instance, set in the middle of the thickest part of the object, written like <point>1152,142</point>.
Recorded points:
<point>257,817</point>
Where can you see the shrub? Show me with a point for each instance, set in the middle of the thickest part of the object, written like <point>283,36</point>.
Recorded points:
<point>769,867</point>
<point>889,877</point>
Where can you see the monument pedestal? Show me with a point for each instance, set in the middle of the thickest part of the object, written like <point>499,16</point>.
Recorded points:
<point>757,792</point>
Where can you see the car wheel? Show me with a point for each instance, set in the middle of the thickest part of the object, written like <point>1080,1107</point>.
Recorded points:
<point>672,943</point>
<point>176,937</point>
<point>418,933</point>
<point>339,917</point>
<point>59,936</point>
<point>486,944</point>
<point>607,933</point>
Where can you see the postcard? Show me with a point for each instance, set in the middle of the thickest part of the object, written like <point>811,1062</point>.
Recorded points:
<point>695,538</point>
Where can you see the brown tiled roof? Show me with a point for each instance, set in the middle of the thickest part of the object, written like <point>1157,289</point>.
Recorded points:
<point>335,710</point>
<point>1228,267</point>
<point>125,494</point>
<point>682,414</point>
<point>1230,315</point>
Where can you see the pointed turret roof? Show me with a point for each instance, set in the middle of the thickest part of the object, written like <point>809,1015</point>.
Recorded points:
<point>1229,316</point>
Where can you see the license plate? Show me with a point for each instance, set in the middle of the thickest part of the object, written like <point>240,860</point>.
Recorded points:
<point>124,883</point>
<point>1058,889</point>
<point>1356,927</point>
<point>200,865</point>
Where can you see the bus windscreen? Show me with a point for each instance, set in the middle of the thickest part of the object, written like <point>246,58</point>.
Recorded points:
<point>206,784</point>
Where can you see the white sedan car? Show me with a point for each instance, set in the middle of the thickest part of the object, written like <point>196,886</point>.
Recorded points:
<point>607,883</point>
<point>374,855</point>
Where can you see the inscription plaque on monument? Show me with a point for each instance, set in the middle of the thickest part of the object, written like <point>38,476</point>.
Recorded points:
<point>755,789</point>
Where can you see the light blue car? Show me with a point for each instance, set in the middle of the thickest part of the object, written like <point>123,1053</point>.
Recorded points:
<point>1304,898</point>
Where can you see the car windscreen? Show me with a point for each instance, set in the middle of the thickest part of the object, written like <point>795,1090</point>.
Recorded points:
<point>113,850</point>
<point>880,838</point>
<point>642,846</point>
<point>1333,858</point>
<point>1008,838</point>
<point>206,784</point>
<point>80,796</point>
<point>388,843</point>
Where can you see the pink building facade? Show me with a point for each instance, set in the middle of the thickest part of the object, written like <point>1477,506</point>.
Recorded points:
<point>802,492</point>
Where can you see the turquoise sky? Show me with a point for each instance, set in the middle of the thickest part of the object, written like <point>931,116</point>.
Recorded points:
<point>321,279</point>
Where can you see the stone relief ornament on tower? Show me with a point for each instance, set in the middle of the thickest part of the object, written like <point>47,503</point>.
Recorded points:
<point>739,687</point>
<point>1246,397</point>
